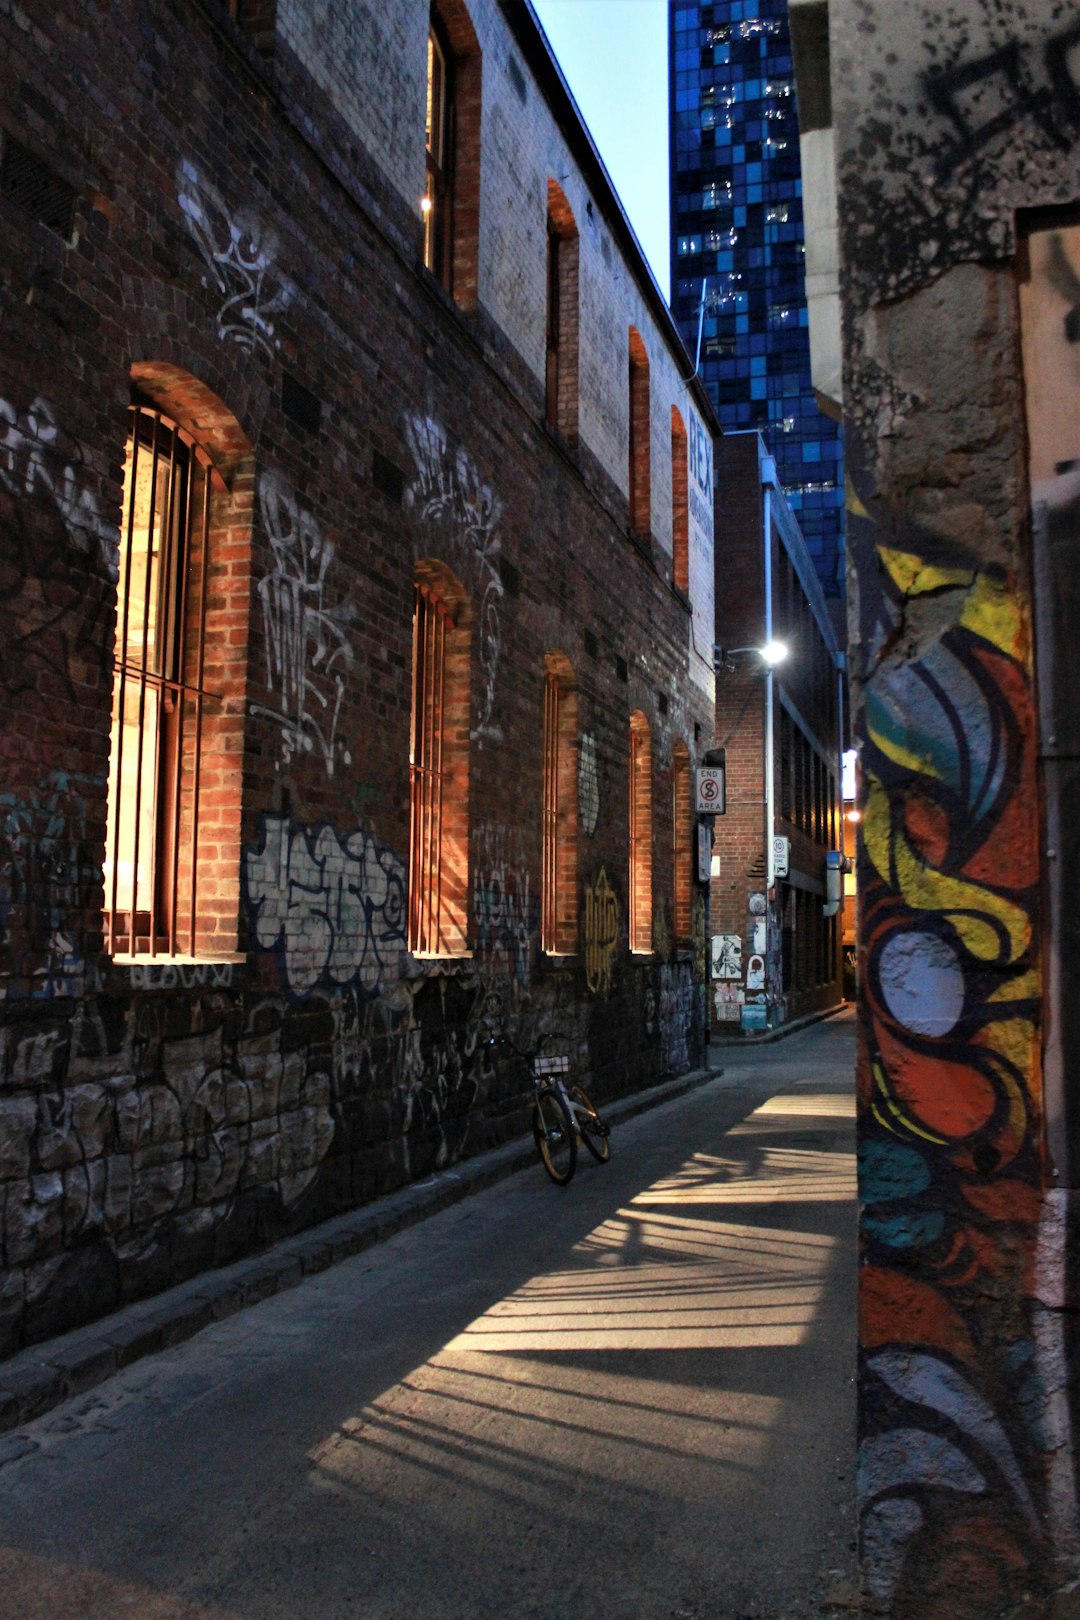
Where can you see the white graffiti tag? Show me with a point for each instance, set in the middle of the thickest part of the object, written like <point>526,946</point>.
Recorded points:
<point>337,908</point>
<point>37,459</point>
<point>448,489</point>
<point>307,648</point>
<point>240,255</point>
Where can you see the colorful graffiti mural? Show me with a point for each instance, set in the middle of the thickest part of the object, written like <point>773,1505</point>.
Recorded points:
<point>949,1157</point>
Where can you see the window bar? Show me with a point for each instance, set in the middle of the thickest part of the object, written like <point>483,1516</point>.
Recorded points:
<point>170,541</point>
<point>204,584</point>
<point>635,877</point>
<point>552,692</point>
<point>438,737</point>
<point>120,660</point>
<point>416,778</point>
<point>427,786</point>
<point>155,457</point>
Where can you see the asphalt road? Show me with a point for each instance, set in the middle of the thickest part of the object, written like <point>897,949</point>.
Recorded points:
<point>630,1399</point>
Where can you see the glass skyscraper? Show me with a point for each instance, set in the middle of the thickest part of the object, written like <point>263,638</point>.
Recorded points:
<point>737,259</point>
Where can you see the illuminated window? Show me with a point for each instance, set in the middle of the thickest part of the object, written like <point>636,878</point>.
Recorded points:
<point>173,835</point>
<point>439,766</point>
<point>561,373</point>
<point>438,195</point>
<point>683,843</point>
<point>559,906</point>
<point>680,502</point>
<point>640,486</point>
<point>451,202</point>
<point>640,834</point>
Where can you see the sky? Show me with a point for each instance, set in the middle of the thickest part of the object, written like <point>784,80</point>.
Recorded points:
<point>613,54</point>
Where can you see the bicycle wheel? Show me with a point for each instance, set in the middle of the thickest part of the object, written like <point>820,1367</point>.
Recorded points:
<point>594,1133</point>
<point>556,1139</point>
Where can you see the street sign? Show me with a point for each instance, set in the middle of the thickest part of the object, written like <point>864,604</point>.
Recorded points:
<point>781,849</point>
<point>711,791</point>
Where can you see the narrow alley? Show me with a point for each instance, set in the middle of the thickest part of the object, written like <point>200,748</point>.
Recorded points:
<point>630,1399</point>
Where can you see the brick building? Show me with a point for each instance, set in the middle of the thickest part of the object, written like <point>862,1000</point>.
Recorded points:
<point>357,565</point>
<point>776,932</point>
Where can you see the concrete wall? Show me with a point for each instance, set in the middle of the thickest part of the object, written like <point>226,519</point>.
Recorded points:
<point>950,118</point>
<point>234,241</point>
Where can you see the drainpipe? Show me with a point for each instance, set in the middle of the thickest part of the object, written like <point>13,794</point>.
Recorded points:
<point>768,479</point>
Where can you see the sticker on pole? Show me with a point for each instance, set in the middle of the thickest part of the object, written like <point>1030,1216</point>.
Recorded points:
<point>711,791</point>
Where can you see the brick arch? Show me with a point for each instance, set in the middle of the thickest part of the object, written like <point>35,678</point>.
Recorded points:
<point>197,409</point>
<point>680,501</point>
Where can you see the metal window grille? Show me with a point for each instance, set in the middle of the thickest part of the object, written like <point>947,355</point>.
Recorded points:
<point>152,833</point>
<point>640,841</point>
<point>428,932</point>
<point>683,850</point>
<point>553,702</point>
<point>33,187</point>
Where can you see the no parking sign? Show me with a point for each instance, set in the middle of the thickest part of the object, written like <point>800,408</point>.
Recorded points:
<point>711,791</point>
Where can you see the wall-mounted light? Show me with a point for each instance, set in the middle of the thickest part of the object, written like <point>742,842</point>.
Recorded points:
<point>772,653</point>
<point>425,205</point>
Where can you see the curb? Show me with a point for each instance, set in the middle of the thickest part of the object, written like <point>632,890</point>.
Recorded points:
<point>733,1042</point>
<point>41,1377</point>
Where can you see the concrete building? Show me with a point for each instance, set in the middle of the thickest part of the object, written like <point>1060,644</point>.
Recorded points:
<point>739,291</point>
<point>946,248</point>
<point>777,910</point>
<point>358,584</point>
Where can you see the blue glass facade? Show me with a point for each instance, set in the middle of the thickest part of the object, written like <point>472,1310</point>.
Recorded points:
<point>737,228</point>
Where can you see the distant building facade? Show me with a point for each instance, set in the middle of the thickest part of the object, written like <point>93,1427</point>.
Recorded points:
<point>777,903</point>
<point>358,622</point>
<point>737,238</point>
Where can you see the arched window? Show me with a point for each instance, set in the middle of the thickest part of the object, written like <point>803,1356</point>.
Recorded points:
<point>640,834</point>
<point>680,502</point>
<point>559,908</point>
<point>683,843</point>
<point>561,372</point>
<point>172,840</point>
<point>439,766</point>
<point>451,201</point>
<point>640,487</point>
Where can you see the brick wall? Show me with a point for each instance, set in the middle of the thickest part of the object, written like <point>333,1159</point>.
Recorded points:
<point>241,257</point>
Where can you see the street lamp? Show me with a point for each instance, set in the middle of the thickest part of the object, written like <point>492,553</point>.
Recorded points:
<point>772,653</point>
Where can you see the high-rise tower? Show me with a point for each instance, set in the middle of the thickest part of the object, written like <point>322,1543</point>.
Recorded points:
<point>737,271</point>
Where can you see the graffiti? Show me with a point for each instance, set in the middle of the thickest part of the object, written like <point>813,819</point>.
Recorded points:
<point>46,879</point>
<point>181,975</point>
<point>240,255</point>
<point>727,956</point>
<point>588,784</point>
<point>949,1151</point>
<point>307,646</point>
<point>701,940</point>
<point>335,909</point>
<point>504,905</point>
<point>38,460</point>
<point>985,99</point>
<point>448,490</point>
<point>601,934</point>
<point>676,1016</point>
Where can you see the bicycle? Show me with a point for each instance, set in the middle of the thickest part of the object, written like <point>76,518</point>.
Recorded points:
<point>562,1114</point>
